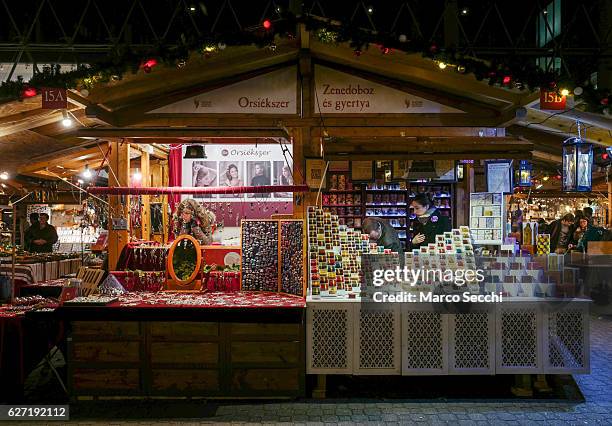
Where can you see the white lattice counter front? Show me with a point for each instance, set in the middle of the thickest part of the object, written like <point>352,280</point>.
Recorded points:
<point>519,336</point>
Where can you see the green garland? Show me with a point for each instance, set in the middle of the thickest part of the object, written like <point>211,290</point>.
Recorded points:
<point>512,73</point>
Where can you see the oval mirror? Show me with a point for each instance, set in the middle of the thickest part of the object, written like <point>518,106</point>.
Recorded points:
<point>184,260</point>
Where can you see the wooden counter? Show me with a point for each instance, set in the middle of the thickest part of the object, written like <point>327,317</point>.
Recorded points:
<point>198,351</point>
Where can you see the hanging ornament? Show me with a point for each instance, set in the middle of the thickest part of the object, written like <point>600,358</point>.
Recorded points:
<point>460,69</point>
<point>272,47</point>
<point>403,38</point>
<point>506,80</point>
<point>148,65</point>
<point>578,90</point>
<point>384,50</point>
<point>604,101</point>
<point>29,92</point>
<point>221,45</point>
<point>181,63</point>
<point>267,24</point>
<point>433,48</point>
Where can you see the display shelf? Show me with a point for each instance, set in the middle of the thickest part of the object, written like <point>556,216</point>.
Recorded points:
<point>371,205</point>
<point>341,205</point>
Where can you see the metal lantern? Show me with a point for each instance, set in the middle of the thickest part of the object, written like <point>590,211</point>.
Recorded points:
<point>577,164</point>
<point>524,178</point>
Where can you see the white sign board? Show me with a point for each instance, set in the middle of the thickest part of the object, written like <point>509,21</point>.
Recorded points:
<point>271,93</point>
<point>240,165</point>
<point>342,93</point>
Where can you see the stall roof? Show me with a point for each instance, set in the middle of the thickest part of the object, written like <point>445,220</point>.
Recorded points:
<point>34,142</point>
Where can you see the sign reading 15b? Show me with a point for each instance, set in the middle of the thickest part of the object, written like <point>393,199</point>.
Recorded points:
<point>552,100</point>
<point>54,98</point>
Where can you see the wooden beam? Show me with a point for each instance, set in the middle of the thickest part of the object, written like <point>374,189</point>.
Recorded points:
<point>59,158</point>
<point>141,134</point>
<point>28,124</point>
<point>119,162</point>
<point>432,148</point>
<point>348,132</point>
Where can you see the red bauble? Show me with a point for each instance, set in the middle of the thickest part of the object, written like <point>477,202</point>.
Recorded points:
<point>507,79</point>
<point>29,92</point>
<point>384,50</point>
<point>604,101</point>
<point>267,24</point>
<point>357,52</point>
<point>433,48</point>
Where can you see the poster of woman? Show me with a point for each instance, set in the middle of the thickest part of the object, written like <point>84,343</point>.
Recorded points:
<point>231,174</point>
<point>283,175</point>
<point>204,174</point>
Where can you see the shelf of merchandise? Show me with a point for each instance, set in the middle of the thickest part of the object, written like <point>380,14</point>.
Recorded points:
<point>436,191</point>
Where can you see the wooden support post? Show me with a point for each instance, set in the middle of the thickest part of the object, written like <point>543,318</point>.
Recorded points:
<point>609,221</point>
<point>119,163</point>
<point>319,391</point>
<point>145,219</point>
<point>165,174</point>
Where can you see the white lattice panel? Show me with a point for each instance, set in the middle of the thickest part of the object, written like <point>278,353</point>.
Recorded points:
<point>472,341</point>
<point>566,338</point>
<point>518,345</point>
<point>424,341</point>
<point>329,338</point>
<point>377,339</point>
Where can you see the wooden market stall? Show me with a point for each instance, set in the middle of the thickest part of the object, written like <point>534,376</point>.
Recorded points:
<point>330,106</point>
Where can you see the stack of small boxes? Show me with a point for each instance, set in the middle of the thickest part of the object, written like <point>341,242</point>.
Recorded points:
<point>334,253</point>
<point>452,251</point>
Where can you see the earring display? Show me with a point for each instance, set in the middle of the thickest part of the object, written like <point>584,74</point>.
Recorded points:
<point>260,258</point>
<point>292,257</point>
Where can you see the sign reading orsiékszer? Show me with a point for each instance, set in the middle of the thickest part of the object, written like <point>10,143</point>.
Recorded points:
<point>271,93</point>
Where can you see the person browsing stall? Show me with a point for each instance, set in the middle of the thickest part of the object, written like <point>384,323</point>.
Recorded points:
<point>383,234</point>
<point>561,234</point>
<point>43,236</point>
<point>430,221</point>
<point>27,236</point>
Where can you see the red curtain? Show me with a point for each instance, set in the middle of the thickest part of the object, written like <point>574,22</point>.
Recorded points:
<point>175,171</point>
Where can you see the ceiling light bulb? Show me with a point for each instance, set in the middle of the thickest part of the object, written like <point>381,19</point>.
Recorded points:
<point>87,172</point>
<point>545,178</point>
<point>4,176</point>
<point>81,181</point>
<point>137,175</point>
<point>564,92</point>
<point>66,121</point>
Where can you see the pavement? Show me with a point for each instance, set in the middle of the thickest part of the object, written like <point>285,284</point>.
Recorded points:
<point>595,408</point>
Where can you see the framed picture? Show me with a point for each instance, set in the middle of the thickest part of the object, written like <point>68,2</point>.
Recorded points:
<point>362,171</point>
<point>399,169</point>
<point>446,171</point>
<point>315,169</point>
<point>498,174</point>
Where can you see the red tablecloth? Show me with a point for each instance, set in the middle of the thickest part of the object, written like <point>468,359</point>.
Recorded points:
<point>240,299</point>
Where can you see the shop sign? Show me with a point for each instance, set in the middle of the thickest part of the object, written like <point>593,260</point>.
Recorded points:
<point>271,93</point>
<point>54,98</point>
<point>240,165</point>
<point>341,93</point>
<point>551,100</point>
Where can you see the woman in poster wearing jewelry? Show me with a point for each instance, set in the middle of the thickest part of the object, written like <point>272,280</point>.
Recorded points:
<point>192,219</point>
<point>430,221</point>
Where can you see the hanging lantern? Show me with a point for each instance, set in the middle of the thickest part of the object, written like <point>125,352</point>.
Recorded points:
<point>577,164</point>
<point>524,173</point>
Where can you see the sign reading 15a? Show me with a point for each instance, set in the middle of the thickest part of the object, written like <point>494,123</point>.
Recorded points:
<point>54,98</point>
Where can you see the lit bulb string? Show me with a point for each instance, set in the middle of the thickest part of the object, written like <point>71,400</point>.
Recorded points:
<point>190,190</point>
